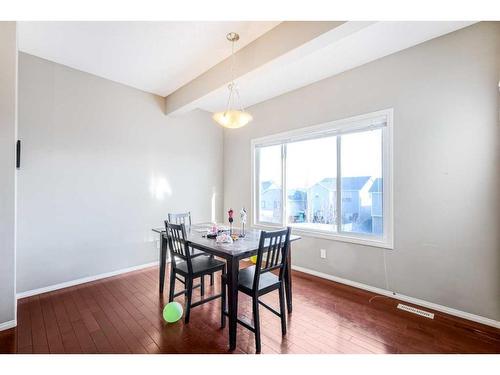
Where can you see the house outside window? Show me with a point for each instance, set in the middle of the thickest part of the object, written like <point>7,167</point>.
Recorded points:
<point>332,180</point>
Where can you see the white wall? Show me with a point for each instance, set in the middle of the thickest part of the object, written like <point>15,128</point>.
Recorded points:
<point>8,128</point>
<point>101,166</point>
<point>446,167</point>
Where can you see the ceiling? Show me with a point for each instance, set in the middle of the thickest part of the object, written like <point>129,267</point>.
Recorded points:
<point>157,57</point>
<point>161,57</point>
<point>359,43</point>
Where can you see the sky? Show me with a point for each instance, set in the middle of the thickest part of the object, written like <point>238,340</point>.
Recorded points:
<point>310,161</point>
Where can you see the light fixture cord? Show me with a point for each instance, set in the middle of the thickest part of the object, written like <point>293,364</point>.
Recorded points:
<point>228,105</point>
<point>232,61</point>
<point>232,85</point>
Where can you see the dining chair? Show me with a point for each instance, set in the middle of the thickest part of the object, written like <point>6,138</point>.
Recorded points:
<point>264,277</point>
<point>188,267</point>
<point>181,218</point>
<point>185,218</point>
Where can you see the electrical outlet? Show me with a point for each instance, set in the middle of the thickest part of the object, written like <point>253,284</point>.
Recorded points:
<point>158,244</point>
<point>322,253</point>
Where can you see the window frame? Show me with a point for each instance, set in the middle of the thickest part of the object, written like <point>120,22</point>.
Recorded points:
<point>333,128</point>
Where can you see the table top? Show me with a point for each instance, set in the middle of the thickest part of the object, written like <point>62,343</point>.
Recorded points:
<point>242,247</point>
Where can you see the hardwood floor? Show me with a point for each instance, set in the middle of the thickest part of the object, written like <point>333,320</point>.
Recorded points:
<point>122,314</point>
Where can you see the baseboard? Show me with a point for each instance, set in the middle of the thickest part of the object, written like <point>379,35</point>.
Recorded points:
<point>8,325</point>
<point>402,297</point>
<point>83,280</point>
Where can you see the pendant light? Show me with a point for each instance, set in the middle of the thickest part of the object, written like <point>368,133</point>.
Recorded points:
<point>234,116</point>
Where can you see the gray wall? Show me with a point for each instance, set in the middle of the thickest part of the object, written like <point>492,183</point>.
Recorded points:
<point>8,97</point>
<point>102,165</point>
<point>446,167</point>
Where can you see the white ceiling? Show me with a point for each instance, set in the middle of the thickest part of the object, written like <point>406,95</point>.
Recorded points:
<point>160,57</point>
<point>352,44</point>
<point>157,57</point>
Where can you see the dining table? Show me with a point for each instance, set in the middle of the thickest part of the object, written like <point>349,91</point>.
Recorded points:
<point>232,253</point>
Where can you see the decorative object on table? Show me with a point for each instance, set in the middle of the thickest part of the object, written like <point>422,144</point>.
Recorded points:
<point>224,238</point>
<point>253,259</point>
<point>243,219</point>
<point>172,312</point>
<point>213,231</point>
<point>230,218</point>
<point>234,116</point>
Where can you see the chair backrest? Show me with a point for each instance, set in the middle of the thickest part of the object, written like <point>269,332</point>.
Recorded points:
<point>182,218</point>
<point>176,237</point>
<point>272,253</point>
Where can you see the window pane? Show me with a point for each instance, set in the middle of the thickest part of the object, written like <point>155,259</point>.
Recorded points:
<point>361,169</point>
<point>270,199</point>
<point>311,172</point>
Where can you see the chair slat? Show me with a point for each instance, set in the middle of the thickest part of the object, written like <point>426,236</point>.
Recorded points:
<point>272,253</point>
<point>176,238</point>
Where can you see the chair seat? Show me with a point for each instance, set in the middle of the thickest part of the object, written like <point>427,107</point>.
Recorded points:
<point>201,265</point>
<point>267,281</point>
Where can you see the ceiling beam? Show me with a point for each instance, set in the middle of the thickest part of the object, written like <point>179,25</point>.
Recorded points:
<point>282,39</point>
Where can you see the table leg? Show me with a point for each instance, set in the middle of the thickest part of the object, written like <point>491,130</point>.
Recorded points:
<point>163,261</point>
<point>288,279</point>
<point>232,299</point>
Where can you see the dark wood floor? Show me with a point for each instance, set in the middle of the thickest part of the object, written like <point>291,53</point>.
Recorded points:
<point>122,314</point>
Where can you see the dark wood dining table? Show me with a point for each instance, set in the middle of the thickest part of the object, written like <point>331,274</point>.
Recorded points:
<point>240,249</point>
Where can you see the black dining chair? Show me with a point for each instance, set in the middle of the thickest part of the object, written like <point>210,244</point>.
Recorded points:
<point>185,218</point>
<point>264,277</point>
<point>189,268</point>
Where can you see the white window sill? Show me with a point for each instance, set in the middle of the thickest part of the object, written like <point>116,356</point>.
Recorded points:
<point>359,240</point>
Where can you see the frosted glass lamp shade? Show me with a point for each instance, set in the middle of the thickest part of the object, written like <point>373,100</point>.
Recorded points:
<point>232,119</point>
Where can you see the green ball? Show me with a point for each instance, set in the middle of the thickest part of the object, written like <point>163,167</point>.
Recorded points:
<point>172,312</point>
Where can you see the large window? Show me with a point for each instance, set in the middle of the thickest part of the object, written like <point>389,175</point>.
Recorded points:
<point>330,180</point>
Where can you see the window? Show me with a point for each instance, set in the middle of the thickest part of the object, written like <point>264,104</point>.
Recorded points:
<point>332,180</point>
<point>310,165</point>
<point>361,166</point>
<point>270,184</point>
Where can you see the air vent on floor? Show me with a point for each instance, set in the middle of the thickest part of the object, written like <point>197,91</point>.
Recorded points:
<point>414,310</point>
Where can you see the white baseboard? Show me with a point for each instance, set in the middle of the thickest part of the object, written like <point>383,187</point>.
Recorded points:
<point>8,325</point>
<point>402,297</point>
<point>83,280</point>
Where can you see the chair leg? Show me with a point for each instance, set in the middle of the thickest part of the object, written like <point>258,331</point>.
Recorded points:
<point>202,287</point>
<point>256,322</point>
<point>172,286</point>
<point>189,288</point>
<point>212,274</point>
<point>282,309</point>
<point>223,302</point>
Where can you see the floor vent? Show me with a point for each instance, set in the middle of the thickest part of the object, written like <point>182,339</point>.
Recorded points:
<point>414,310</point>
